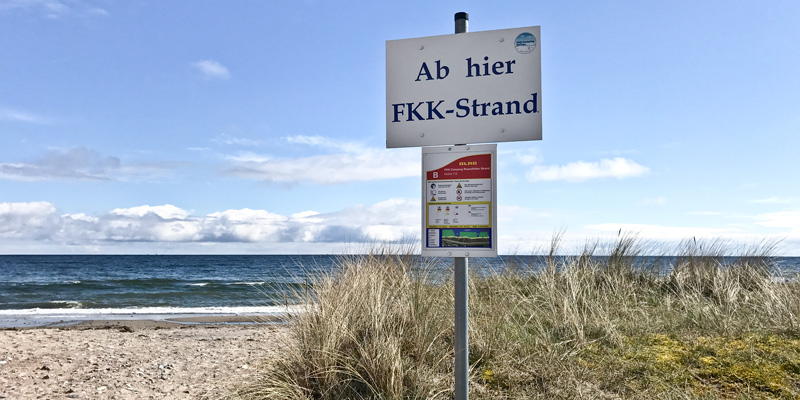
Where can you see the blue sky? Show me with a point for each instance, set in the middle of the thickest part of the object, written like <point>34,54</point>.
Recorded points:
<point>259,126</point>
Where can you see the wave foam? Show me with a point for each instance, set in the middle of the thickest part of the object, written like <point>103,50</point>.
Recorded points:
<point>61,316</point>
<point>68,303</point>
<point>100,313</point>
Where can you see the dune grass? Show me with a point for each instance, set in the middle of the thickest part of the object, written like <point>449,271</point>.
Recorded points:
<point>583,327</point>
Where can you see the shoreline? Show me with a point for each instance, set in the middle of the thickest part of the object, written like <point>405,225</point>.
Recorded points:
<point>65,317</point>
<point>184,358</point>
<point>165,321</point>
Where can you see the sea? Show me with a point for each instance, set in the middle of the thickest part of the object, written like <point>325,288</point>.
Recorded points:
<point>37,290</point>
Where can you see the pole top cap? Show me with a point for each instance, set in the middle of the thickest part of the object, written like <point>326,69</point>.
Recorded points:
<point>462,15</point>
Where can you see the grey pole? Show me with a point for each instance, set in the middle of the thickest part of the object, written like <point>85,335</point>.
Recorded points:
<point>461,292</point>
<point>462,326</point>
<point>462,22</point>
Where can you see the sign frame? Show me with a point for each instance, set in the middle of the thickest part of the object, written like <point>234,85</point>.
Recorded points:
<point>477,87</point>
<point>435,158</point>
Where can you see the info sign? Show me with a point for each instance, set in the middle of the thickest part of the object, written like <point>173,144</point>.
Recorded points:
<point>474,87</point>
<point>459,216</point>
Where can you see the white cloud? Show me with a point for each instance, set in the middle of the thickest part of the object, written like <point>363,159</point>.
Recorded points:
<point>248,157</point>
<point>512,213</point>
<point>777,200</point>
<point>98,11</point>
<point>235,141</point>
<point>579,171</point>
<point>212,69</point>
<point>38,226</point>
<point>34,220</point>
<point>781,219</point>
<point>352,163</point>
<point>81,163</point>
<point>785,232</point>
<point>7,114</point>
<point>666,233</point>
<point>78,163</point>
<point>307,217</point>
<point>54,9</point>
<point>167,211</point>
<point>330,169</point>
<point>528,156</point>
<point>244,225</point>
<point>389,221</point>
<point>81,217</point>
<point>328,143</point>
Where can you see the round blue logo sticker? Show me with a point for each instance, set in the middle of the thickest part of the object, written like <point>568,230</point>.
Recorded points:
<point>525,43</point>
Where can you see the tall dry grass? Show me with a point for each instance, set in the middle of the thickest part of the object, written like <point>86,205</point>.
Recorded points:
<point>604,324</point>
<point>376,328</point>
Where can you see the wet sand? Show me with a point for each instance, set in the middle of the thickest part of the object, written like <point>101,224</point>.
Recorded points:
<point>186,358</point>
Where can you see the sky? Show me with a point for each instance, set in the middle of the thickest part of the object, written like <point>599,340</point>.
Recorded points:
<point>250,127</point>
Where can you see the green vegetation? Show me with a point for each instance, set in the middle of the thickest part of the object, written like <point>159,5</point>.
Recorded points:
<point>583,328</point>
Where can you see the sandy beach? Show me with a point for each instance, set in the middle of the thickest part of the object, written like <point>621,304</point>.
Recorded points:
<point>138,359</point>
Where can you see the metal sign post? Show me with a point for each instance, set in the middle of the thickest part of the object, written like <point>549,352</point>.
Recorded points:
<point>462,327</point>
<point>461,299</point>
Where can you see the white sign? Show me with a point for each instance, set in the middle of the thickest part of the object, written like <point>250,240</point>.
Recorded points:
<point>459,191</point>
<point>464,88</point>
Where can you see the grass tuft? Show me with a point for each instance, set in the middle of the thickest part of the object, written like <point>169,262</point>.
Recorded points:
<point>606,324</point>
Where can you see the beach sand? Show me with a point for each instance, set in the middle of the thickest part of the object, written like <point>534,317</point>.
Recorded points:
<point>137,359</point>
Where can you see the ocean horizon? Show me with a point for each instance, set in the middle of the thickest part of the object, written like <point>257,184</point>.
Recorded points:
<point>38,290</point>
